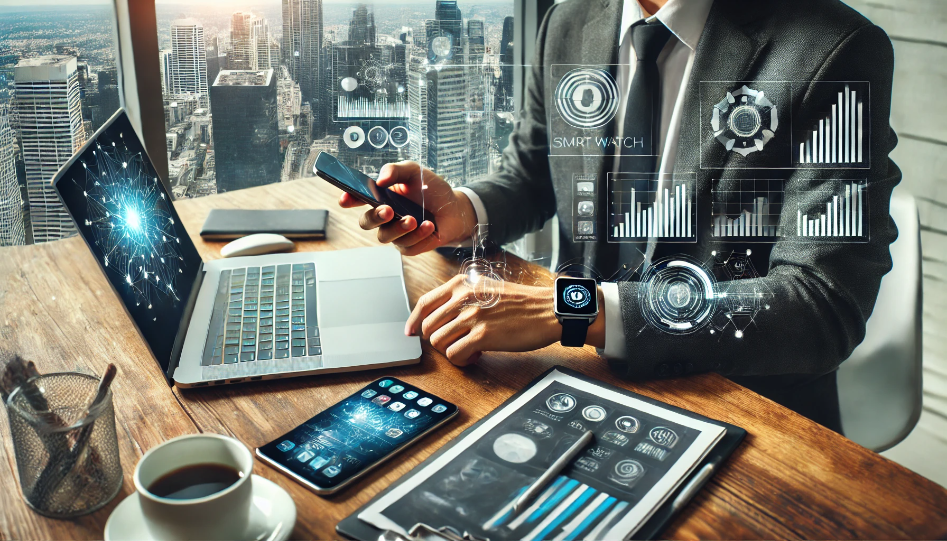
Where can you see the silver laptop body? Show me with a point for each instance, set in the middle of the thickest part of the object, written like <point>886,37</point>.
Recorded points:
<point>362,308</point>
<point>276,315</point>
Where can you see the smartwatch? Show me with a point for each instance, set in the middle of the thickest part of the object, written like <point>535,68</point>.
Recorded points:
<point>576,307</point>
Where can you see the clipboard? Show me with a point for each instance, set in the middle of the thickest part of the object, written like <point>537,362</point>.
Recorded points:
<point>354,528</point>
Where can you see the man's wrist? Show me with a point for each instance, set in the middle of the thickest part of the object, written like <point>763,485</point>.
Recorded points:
<point>467,214</point>
<point>596,334</point>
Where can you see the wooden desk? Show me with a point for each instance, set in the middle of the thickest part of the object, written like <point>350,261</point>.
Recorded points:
<point>791,478</point>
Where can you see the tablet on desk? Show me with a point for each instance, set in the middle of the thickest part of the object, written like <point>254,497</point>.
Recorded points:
<point>229,224</point>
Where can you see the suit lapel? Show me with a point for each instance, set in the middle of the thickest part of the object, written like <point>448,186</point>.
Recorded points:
<point>600,47</point>
<point>724,53</point>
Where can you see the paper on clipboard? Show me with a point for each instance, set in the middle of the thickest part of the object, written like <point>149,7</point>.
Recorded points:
<point>641,454</point>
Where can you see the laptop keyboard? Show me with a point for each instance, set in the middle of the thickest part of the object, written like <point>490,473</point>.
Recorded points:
<point>262,314</point>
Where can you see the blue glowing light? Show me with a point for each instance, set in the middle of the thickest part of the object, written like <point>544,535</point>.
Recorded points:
<point>130,219</point>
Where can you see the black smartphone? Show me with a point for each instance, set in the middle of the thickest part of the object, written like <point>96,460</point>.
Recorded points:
<point>363,188</point>
<point>350,438</point>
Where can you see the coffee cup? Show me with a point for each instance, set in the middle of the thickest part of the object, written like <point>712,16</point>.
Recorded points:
<point>224,514</point>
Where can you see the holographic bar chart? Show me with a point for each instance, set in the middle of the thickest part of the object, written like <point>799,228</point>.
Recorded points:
<point>842,218</point>
<point>839,138</point>
<point>641,208</point>
<point>750,210</point>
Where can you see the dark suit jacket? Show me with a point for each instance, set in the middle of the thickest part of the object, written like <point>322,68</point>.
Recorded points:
<point>824,292</point>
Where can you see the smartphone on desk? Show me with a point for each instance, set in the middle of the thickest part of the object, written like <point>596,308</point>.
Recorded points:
<point>353,436</point>
<point>362,187</point>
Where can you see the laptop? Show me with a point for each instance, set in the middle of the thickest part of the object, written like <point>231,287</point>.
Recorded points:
<point>228,320</point>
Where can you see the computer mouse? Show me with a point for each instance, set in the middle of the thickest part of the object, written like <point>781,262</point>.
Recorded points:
<point>260,243</point>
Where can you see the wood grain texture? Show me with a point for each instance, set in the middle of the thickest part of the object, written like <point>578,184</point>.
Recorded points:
<point>791,478</point>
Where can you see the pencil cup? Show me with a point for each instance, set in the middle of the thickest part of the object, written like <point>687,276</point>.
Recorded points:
<point>66,454</point>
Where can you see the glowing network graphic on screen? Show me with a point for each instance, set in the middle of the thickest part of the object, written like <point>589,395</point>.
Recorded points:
<point>130,218</point>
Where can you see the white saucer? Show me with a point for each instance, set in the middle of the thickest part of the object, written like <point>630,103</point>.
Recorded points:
<point>273,515</point>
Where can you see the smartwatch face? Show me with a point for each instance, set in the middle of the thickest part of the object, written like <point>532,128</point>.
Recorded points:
<point>576,296</point>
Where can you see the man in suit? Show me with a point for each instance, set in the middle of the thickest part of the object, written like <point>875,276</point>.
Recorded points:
<point>822,292</point>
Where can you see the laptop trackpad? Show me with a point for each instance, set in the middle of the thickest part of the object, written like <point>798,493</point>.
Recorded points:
<point>344,303</point>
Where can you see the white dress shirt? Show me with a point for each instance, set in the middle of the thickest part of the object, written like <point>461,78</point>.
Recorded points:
<point>685,19</point>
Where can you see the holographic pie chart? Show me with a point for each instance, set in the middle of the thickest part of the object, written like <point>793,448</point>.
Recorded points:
<point>514,448</point>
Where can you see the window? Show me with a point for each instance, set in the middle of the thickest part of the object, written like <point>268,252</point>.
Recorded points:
<point>58,83</point>
<point>252,96</point>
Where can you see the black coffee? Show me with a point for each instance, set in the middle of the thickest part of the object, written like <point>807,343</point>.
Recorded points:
<point>194,481</point>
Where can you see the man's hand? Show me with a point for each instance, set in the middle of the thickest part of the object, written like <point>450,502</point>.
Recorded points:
<point>523,320</point>
<point>453,212</point>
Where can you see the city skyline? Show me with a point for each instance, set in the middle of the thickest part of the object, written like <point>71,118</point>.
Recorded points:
<point>330,63</point>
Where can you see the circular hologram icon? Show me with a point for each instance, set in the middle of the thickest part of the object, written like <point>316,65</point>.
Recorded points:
<point>353,136</point>
<point>348,84</point>
<point>514,448</point>
<point>677,295</point>
<point>561,402</point>
<point>587,98</point>
<point>398,136</point>
<point>744,121</point>
<point>378,136</point>
<point>441,48</point>
<point>593,413</point>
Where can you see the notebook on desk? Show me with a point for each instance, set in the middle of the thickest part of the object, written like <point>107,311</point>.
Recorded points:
<point>646,460</point>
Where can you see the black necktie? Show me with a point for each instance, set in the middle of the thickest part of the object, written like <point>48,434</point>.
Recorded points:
<point>642,112</point>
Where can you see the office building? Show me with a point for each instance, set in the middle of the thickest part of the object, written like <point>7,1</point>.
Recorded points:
<point>305,56</point>
<point>188,59</point>
<point>446,122</point>
<point>504,100</point>
<point>417,105</point>
<point>476,46</point>
<point>362,26</point>
<point>212,54</point>
<point>12,231</point>
<point>447,91</point>
<point>265,51</point>
<point>242,54</point>
<point>447,23</point>
<point>50,129</point>
<point>245,129</point>
<point>164,65</point>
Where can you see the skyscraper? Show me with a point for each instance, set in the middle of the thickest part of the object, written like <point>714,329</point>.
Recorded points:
<point>447,93</point>
<point>475,42</point>
<point>504,101</point>
<point>446,125</point>
<point>246,129</point>
<point>362,26</point>
<point>417,104</point>
<point>448,24</point>
<point>164,66</point>
<point>305,57</point>
<point>188,59</point>
<point>50,118</point>
<point>241,55</point>
<point>12,232</point>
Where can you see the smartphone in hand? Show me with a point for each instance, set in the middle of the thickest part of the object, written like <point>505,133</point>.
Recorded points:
<point>363,188</point>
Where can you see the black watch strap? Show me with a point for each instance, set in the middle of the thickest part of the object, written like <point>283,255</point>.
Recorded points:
<point>574,332</point>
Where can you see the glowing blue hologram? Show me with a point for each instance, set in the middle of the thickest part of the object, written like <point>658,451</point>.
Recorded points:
<point>130,220</point>
<point>677,295</point>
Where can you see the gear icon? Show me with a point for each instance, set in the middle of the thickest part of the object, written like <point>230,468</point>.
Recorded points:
<point>744,121</point>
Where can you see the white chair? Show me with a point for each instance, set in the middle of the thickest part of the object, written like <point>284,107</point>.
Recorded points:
<point>879,385</point>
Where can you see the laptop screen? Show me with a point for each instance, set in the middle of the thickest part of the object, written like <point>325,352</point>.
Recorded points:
<point>126,217</point>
